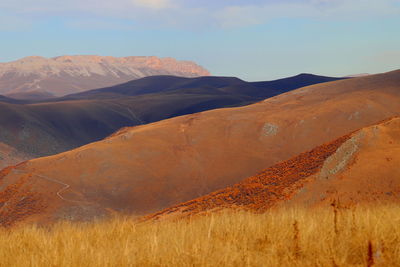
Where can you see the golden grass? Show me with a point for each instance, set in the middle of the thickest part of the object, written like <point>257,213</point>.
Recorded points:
<point>297,237</point>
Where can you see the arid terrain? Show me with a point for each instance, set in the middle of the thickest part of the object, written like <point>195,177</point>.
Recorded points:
<point>144,169</point>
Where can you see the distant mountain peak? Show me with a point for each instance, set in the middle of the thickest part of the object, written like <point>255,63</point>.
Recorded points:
<point>30,58</point>
<point>71,74</point>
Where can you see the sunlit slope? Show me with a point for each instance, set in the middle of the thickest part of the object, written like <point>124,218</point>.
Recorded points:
<point>365,169</point>
<point>358,168</point>
<point>147,168</point>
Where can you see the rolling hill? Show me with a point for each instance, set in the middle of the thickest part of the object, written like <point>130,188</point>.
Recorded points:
<point>147,168</point>
<point>31,96</point>
<point>10,100</point>
<point>202,85</point>
<point>46,128</point>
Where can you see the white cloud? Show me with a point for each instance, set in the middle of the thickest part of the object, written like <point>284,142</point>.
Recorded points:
<point>184,14</point>
<point>244,15</point>
<point>153,4</point>
<point>234,16</point>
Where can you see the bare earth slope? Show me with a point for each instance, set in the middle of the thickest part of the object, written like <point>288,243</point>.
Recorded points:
<point>147,168</point>
<point>362,167</point>
<point>70,74</point>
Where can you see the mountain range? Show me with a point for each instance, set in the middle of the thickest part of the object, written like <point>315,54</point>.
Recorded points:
<point>35,76</point>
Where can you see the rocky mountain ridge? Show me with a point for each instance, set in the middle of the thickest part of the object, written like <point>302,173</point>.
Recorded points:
<point>71,74</point>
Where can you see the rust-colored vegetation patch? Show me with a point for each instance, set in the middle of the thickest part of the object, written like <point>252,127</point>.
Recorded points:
<point>6,171</point>
<point>264,190</point>
<point>18,201</point>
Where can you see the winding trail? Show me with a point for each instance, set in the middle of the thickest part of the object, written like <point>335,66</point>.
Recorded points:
<point>66,186</point>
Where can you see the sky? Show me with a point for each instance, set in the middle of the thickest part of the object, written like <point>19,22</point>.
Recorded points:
<point>250,39</point>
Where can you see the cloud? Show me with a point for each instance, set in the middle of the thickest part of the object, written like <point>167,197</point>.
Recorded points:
<point>100,24</point>
<point>153,4</point>
<point>13,23</point>
<point>204,14</point>
<point>244,15</point>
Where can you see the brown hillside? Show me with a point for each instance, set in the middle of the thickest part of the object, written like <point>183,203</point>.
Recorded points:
<point>147,168</point>
<point>356,168</point>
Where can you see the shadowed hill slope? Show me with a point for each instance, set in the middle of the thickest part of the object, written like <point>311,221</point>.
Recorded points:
<point>147,168</point>
<point>294,82</point>
<point>31,96</point>
<point>356,168</point>
<point>41,129</point>
<point>203,85</point>
<point>10,100</point>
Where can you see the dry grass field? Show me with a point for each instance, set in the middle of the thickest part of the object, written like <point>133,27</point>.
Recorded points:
<point>295,237</point>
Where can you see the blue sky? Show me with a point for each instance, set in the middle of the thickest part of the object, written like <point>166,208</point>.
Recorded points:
<point>252,39</point>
